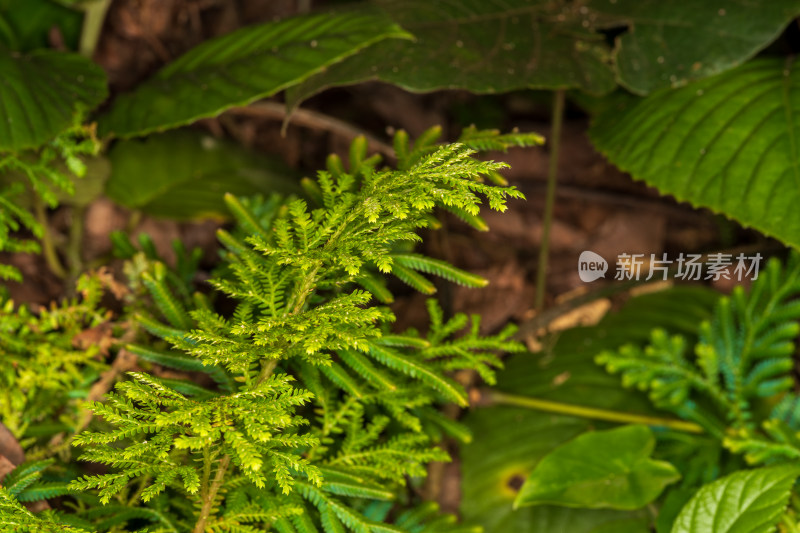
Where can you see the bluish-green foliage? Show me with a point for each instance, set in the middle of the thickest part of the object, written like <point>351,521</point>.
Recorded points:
<point>736,379</point>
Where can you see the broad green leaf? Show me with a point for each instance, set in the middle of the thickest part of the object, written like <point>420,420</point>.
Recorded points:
<point>728,143</point>
<point>671,42</point>
<point>241,67</point>
<point>44,93</point>
<point>749,501</point>
<point>487,46</point>
<point>610,469</point>
<point>484,46</point>
<point>509,442</point>
<point>185,174</point>
<point>88,187</point>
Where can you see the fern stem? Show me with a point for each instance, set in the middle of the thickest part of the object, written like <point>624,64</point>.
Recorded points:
<point>266,370</point>
<point>211,494</point>
<point>304,291</point>
<point>550,198</point>
<point>143,483</point>
<point>500,398</point>
<point>75,244</point>
<point>48,247</point>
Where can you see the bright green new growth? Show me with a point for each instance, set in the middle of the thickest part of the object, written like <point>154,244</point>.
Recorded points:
<point>316,406</point>
<point>15,516</point>
<point>44,374</point>
<point>742,360</point>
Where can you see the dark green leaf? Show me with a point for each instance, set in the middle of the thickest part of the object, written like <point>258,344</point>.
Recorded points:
<point>479,45</point>
<point>43,93</point>
<point>25,25</point>
<point>750,501</point>
<point>728,143</point>
<point>486,46</point>
<point>241,67</point>
<point>184,174</point>
<point>600,469</point>
<point>671,42</point>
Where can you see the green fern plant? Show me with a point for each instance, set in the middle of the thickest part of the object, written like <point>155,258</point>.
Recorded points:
<point>312,415</point>
<point>41,174</point>
<point>736,380</point>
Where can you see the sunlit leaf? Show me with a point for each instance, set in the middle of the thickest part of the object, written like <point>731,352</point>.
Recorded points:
<point>750,501</point>
<point>600,469</point>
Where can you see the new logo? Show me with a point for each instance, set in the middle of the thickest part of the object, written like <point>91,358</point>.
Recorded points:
<point>591,266</point>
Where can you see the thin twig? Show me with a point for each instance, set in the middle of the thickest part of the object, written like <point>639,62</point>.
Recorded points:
<point>531,328</point>
<point>313,120</point>
<point>534,191</point>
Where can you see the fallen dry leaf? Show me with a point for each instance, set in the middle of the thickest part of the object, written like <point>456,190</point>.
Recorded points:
<point>6,467</point>
<point>9,446</point>
<point>100,336</point>
<point>11,453</point>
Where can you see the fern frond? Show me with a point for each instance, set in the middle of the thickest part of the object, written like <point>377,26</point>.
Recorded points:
<point>343,483</point>
<point>439,268</point>
<point>419,370</point>
<point>40,172</point>
<point>376,287</point>
<point>413,280</point>
<point>179,361</point>
<point>475,221</point>
<point>171,308</point>
<point>44,491</point>
<point>367,370</point>
<point>493,140</point>
<point>117,515</point>
<point>15,517</point>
